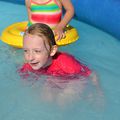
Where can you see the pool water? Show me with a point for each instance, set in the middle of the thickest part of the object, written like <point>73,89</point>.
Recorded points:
<point>20,100</point>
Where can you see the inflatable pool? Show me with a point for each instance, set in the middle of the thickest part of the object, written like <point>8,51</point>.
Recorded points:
<point>98,48</point>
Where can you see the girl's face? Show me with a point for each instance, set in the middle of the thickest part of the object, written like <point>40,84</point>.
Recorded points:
<point>36,51</point>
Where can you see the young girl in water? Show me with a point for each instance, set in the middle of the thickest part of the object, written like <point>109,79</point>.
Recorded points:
<point>41,55</point>
<point>66,76</point>
<point>50,12</point>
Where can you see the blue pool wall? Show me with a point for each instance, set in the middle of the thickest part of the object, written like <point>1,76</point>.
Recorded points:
<point>103,14</point>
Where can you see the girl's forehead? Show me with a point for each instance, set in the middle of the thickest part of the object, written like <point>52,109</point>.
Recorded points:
<point>34,38</point>
<point>29,36</point>
<point>35,41</point>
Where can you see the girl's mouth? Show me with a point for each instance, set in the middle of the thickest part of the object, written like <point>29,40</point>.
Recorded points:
<point>34,64</point>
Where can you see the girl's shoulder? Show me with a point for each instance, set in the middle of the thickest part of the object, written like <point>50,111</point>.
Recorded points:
<point>69,64</point>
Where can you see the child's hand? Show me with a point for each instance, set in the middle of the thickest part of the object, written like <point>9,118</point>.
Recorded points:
<point>58,31</point>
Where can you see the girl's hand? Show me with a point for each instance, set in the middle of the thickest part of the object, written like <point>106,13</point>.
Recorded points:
<point>59,33</point>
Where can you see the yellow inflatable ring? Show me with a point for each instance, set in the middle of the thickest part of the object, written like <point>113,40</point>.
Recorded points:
<point>13,35</point>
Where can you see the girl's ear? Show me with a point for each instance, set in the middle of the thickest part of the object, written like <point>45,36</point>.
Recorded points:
<point>53,50</point>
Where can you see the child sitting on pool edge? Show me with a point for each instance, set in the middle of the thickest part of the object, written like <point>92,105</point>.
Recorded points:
<point>41,55</point>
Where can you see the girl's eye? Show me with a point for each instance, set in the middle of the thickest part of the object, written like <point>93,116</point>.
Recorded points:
<point>25,51</point>
<point>37,51</point>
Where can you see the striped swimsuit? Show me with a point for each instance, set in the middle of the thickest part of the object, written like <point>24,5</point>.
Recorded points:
<point>48,13</point>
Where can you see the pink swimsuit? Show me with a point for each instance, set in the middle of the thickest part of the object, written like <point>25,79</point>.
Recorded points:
<point>62,64</point>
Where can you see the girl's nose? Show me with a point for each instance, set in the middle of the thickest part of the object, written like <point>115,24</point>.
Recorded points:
<point>30,57</point>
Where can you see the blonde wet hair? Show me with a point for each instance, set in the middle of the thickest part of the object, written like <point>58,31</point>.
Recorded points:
<point>42,30</point>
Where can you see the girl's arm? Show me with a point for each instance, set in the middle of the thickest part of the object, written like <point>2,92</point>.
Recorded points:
<point>69,13</point>
<point>27,2</point>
